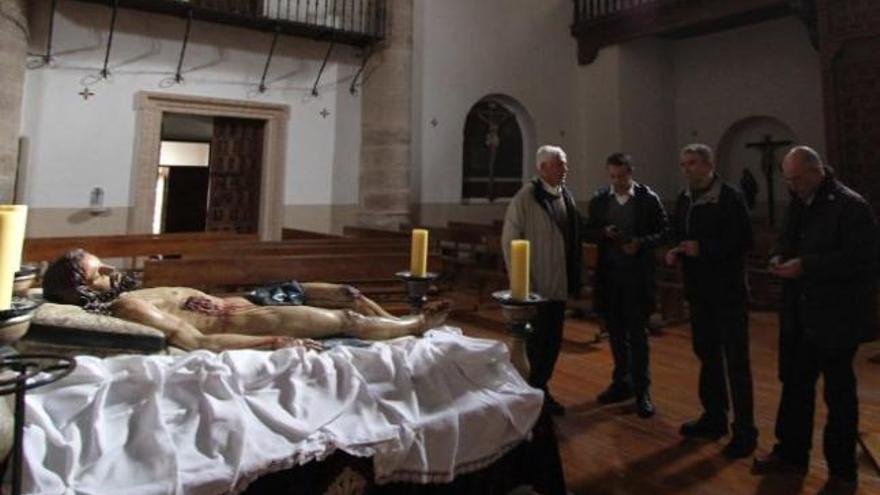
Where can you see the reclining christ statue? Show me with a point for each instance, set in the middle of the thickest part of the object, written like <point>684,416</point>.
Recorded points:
<point>191,319</point>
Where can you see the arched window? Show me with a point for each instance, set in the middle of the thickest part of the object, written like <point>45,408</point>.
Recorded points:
<point>493,151</point>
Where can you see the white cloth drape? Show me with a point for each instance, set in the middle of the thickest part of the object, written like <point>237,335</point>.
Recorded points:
<point>426,409</point>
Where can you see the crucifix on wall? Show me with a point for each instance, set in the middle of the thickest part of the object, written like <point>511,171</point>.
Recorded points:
<point>494,116</point>
<point>768,148</point>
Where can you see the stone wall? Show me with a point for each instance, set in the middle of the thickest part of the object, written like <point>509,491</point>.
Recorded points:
<point>13,54</point>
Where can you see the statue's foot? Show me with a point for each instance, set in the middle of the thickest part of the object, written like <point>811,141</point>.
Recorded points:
<point>435,313</point>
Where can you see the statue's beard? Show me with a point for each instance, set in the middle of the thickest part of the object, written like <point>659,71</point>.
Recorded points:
<point>99,301</point>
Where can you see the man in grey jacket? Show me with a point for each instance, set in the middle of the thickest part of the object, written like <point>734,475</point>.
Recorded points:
<point>543,212</point>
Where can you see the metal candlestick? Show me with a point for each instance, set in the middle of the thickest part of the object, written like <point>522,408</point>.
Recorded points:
<point>518,315</point>
<point>28,371</point>
<point>416,289</point>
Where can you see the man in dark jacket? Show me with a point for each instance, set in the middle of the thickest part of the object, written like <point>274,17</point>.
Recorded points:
<point>827,258</point>
<point>626,221</point>
<point>714,233</point>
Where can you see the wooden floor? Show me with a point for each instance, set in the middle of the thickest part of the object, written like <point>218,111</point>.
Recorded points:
<point>609,450</point>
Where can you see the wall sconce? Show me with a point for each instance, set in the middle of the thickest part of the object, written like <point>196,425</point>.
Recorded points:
<point>96,202</point>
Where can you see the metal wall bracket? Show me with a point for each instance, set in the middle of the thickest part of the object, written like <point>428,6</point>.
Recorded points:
<point>105,72</point>
<point>189,19</point>
<point>354,82</point>
<point>47,57</point>
<point>323,65</point>
<point>262,87</point>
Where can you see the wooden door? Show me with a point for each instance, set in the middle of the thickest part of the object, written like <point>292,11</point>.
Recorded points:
<point>235,175</point>
<point>186,200</point>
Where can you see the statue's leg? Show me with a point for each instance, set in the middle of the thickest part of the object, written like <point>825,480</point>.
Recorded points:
<point>310,322</point>
<point>335,296</point>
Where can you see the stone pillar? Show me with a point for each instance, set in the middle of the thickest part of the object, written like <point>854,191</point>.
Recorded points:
<point>13,57</point>
<point>386,131</point>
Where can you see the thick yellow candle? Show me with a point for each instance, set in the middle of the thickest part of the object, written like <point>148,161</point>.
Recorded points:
<point>519,269</point>
<point>11,240</point>
<point>19,228</point>
<point>418,265</point>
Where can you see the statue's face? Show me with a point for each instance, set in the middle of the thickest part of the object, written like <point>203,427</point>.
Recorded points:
<point>98,276</point>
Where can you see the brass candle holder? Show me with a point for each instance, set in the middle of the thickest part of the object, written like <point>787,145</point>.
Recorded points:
<point>416,289</point>
<point>518,315</point>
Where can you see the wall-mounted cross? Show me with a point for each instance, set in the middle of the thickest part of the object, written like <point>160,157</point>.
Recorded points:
<point>434,122</point>
<point>85,93</point>
<point>324,113</point>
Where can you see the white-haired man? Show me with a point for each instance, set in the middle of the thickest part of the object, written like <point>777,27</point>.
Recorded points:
<point>544,213</point>
<point>827,259</point>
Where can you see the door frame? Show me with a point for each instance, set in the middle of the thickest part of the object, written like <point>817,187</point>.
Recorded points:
<point>149,109</point>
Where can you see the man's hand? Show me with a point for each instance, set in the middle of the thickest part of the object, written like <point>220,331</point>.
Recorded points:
<point>791,269</point>
<point>612,232</point>
<point>631,247</point>
<point>690,249</point>
<point>672,256</point>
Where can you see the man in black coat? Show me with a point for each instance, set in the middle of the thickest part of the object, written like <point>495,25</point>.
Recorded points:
<point>626,221</point>
<point>827,258</point>
<point>714,233</point>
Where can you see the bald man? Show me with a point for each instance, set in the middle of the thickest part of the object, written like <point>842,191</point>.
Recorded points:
<point>827,259</point>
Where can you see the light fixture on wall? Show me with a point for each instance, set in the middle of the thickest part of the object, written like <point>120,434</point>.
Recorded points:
<point>96,202</point>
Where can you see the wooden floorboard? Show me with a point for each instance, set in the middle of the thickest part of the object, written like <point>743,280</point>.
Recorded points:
<point>609,450</point>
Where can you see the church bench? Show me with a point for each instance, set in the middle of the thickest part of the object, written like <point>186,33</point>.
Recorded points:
<point>298,247</point>
<point>366,232</point>
<point>290,234</point>
<point>128,246</point>
<point>372,273</point>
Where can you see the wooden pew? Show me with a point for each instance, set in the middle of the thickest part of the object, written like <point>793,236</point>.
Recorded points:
<point>299,247</point>
<point>134,245</point>
<point>288,234</point>
<point>366,232</point>
<point>374,269</point>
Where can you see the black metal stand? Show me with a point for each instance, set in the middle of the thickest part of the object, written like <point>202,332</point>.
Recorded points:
<point>31,371</point>
<point>518,315</point>
<point>416,289</point>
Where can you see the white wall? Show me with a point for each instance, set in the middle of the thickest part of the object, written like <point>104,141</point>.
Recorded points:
<point>77,144</point>
<point>465,50</point>
<point>768,69</point>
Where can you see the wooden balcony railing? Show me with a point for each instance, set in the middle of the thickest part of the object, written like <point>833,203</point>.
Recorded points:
<point>353,22</point>
<point>600,23</point>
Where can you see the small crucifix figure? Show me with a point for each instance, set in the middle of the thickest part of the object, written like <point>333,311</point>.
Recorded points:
<point>494,116</point>
<point>324,113</point>
<point>768,147</point>
<point>85,93</point>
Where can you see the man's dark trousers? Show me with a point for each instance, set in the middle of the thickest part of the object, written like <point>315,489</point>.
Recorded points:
<point>801,363</point>
<point>721,340</point>
<point>626,323</point>
<point>543,345</point>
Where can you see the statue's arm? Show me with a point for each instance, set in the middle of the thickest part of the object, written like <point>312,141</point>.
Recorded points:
<point>180,333</point>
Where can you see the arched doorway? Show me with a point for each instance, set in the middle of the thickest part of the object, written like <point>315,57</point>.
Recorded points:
<point>741,160</point>
<point>498,134</point>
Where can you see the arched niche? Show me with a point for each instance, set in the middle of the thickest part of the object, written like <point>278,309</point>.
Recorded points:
<point>499,141</point>
<point>738,150</point>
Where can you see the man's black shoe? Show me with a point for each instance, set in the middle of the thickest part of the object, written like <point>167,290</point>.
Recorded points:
<point>773,463</point>
<point>740,447</point>
<point>553,407</point>
<point>839,486</point>
<point>614,393</point>
<point>644,406</point>
<point>704,428</point>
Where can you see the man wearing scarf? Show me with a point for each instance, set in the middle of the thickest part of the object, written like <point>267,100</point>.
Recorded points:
<point>543,212</point>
